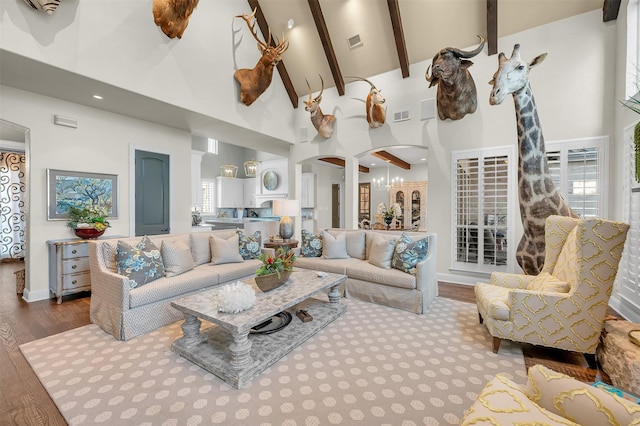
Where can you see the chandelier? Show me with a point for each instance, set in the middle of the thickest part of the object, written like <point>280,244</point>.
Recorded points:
<point>250,168</point>
<point>382,185</point>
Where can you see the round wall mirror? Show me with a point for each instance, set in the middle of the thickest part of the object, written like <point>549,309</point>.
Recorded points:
<point>270,180</point>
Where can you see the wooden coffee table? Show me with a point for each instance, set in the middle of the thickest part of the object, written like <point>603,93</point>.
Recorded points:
<point>230,350</point>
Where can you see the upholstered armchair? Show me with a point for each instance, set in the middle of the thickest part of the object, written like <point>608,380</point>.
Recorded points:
<point>564,306</point>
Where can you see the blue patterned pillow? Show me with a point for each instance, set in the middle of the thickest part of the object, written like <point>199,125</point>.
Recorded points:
<point>141,264</point>
<point>249,245</point>
<point>311,244</point>
<point>409,253</point>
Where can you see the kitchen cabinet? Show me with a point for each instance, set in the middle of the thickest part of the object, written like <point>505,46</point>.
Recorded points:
<point>230,192</point>
<point>308,190</point>
<point>249,192</point>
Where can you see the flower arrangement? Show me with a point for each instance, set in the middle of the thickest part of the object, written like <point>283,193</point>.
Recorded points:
<point>88,217</point>
<point>281,261</point>
<point>394,211</point>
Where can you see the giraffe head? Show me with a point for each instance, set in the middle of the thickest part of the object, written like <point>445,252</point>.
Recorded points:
<point>512,75</point>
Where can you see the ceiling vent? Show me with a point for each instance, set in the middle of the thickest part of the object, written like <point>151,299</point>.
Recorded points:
<point>401,116</point>
<point>354,41</point>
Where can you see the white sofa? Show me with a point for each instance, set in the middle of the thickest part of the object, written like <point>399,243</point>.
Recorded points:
<point>127,312</point>
<point>412,292</point>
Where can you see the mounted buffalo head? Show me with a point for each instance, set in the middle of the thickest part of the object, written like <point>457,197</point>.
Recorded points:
<point>456,89</point>
<point>172,16</point>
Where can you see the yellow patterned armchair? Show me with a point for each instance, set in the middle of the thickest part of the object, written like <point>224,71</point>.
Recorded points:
<point>564,306</point>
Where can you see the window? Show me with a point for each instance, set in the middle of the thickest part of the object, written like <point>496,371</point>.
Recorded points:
<point>208,196</point>
<point>632,85</point>
<point>482,209</point>
<point>212,146</point>
<point>364,208</point>
<point>578,169</point>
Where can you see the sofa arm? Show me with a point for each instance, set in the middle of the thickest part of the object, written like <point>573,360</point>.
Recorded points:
<point>515,281</point>
<point>106,286</point>
<point>503,402</point>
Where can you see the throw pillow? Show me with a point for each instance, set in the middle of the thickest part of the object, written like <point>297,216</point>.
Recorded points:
<point>334,247</point>
<point>381,252</point>
<point>200,248</point>
<point>176,256</point>
<point>311,244</point>
<point>225,251</point>
<point>141,264</point>
<point>355,244</point>
<point>249,245</point>
<point>409,253</point>
<point>548,283</point>
<point>577,401</point>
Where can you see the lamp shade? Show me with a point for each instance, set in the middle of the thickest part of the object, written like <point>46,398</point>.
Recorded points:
<point>286,207</point>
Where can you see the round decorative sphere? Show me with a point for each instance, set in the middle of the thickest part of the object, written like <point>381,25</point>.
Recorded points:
<point>88,233</point>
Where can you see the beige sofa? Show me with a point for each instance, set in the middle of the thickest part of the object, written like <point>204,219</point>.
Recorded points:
<point>127,312</point>
<point>548,398</point>
<point>370,282</point>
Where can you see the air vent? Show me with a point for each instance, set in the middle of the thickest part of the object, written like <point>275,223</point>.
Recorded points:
<point>65,121</point>
<point>354,41</point>
<point>401,116</point>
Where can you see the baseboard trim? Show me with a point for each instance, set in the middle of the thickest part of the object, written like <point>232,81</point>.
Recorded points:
<point>459,279</point>
<point>35,296</point>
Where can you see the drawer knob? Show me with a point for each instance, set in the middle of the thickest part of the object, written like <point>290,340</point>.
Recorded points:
<point>74,282</point>
<point>74,251</point>
<point>74,266</point>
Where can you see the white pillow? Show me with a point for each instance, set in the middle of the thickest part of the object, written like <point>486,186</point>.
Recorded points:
<point>381,252</point>
<point>334,247</point>
<point>355,244</point>
<point>225,251</point>
<point>176,256</point>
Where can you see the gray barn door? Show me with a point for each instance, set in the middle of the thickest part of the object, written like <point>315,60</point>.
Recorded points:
<point>152,193</point>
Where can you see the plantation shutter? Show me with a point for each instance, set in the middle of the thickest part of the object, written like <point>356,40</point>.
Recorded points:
<point>208,196</point>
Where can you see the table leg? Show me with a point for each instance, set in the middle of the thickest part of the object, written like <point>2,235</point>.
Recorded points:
<point>334,294</point>
<point>191,335</point>
<point>240,351</point>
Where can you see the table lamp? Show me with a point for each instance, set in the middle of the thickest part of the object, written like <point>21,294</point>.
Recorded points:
<point>285,209</point>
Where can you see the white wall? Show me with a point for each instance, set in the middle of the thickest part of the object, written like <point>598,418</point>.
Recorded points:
<point>573,89</point>
<point>118,43</point>
<point>101,144</point>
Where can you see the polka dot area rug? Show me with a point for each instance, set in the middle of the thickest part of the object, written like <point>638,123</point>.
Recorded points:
<point>372,366</point>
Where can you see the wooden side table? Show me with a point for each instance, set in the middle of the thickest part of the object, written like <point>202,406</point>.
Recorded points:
<point>285,244</point>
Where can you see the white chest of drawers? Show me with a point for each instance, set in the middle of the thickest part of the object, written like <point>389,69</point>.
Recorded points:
<point>68,267</point>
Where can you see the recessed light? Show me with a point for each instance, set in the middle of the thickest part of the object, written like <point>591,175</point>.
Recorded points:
<point>423,159</point>
<point>373,164</point>
<point>290,23</point>
<point>97,97</point>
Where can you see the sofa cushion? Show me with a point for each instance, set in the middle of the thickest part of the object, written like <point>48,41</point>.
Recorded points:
<point>311,244</point>
<point>502,402</point>
<point>336,266</point>
<point>334,247</point>
<point>176,256</point>
<point>494,300</point>
<point>356,246</point>
<point>381,252</point>
<point>224,250</point>
<point>371,236</point>
<point>577,401</point>
<point>365,271</point>
<point>233,271</point>
<point>141,264</point>
<point>548,283</point>
<point>200,248</point>
<point>201,277</point>
<point>409,253</point>
<point>249,246</point>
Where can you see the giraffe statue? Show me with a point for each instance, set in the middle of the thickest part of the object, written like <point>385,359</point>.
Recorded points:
<point>538,196</point>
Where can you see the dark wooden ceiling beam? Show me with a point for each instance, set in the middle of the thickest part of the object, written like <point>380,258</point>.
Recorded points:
<point>398,35</point>
<point>282,70</point>
<point>387,156</point>
<point>323,33</point>
<point>610,10</point>
<point>492,27</point>
<point>340,162</point>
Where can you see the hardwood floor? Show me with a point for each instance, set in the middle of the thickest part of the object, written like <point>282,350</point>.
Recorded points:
<point>24,401</point>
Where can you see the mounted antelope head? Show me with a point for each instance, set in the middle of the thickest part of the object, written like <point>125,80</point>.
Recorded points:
<point>323,123</point>
<point>253,82</point>
<point>172,16</point>
<point>375,111</point>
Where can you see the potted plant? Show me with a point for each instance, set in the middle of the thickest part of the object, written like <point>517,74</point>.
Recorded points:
<point>389,213</point>
<point>88,221</point>
<point>275,269</point>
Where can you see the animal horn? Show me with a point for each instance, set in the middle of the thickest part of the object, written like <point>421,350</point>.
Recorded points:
<point>362,79</point>
<point>465,54</point>
<point>252,28</point>
<point>322,89</point>
<point>427,76</point>
<point>309,86</point>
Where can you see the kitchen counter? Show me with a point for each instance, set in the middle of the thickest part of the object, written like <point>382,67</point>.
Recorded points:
<point>267,226</point>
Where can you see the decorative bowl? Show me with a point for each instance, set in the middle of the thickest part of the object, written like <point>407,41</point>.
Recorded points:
<point>88,233</point>
<point>271,281</point>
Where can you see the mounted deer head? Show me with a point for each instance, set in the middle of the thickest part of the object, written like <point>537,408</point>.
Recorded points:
<point>376,113</point>
<point>323,123</point>
<point>172,16</point>
<point>253,82</point>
